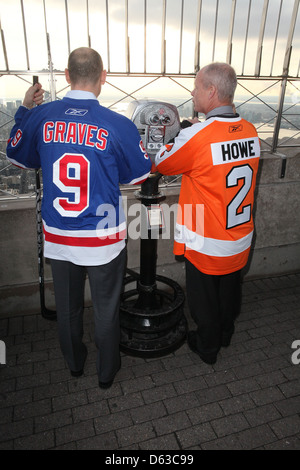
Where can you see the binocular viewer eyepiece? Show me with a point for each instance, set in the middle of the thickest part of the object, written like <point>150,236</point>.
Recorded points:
<point>157,123</point>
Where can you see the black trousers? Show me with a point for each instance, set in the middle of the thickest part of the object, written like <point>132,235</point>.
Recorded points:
<point>214,303</point>
<point>106,282</point>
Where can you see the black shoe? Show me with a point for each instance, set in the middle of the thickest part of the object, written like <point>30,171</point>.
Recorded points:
<point>226,339</point>
<point>108,384</point>
<point>225,342</point>
<point>77,373</point>
<point>192,342</point>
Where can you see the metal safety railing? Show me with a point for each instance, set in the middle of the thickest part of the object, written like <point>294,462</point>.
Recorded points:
<point>150,46</point>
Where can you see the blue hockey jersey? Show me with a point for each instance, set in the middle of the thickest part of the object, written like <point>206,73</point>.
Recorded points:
<point>85,152</point>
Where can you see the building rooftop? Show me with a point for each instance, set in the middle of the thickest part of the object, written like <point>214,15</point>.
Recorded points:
<point>152,50</point>
<point>248,400</point>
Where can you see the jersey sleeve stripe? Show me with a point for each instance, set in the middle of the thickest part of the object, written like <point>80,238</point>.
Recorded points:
<point>139,180</point>
<point>17,164</point>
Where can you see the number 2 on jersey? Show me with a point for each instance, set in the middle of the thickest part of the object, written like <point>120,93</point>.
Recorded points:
<point>234,218</point>
<point>71,174</point>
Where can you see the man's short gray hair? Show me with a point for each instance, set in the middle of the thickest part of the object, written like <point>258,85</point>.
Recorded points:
<point>223,77</point>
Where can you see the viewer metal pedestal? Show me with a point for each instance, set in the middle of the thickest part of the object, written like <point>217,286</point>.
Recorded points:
<point>151,313</point>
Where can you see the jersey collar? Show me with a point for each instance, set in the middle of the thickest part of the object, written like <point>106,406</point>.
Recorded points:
<point>80,95</point>
<point>221,110</point>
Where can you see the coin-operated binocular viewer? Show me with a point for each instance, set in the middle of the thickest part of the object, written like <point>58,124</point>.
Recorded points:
<point>151,313</point>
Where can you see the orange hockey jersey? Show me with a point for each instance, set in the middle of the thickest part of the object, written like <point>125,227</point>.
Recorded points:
<point>218,160</point>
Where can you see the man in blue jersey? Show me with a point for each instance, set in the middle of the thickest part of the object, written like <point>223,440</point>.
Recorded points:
<point>85,152</point>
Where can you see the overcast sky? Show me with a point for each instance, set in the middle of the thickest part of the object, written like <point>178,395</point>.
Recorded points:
<point>212,47</point>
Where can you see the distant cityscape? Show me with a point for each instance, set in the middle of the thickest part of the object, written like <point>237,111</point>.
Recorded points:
<point>15,182</point>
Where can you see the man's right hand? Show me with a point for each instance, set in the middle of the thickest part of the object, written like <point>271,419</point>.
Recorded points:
<point>34,96</point>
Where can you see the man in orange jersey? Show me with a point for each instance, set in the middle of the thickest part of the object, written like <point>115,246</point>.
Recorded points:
<point>218,160</point>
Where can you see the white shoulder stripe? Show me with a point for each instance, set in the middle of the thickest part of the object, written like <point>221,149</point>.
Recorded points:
<point>184,136</point>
